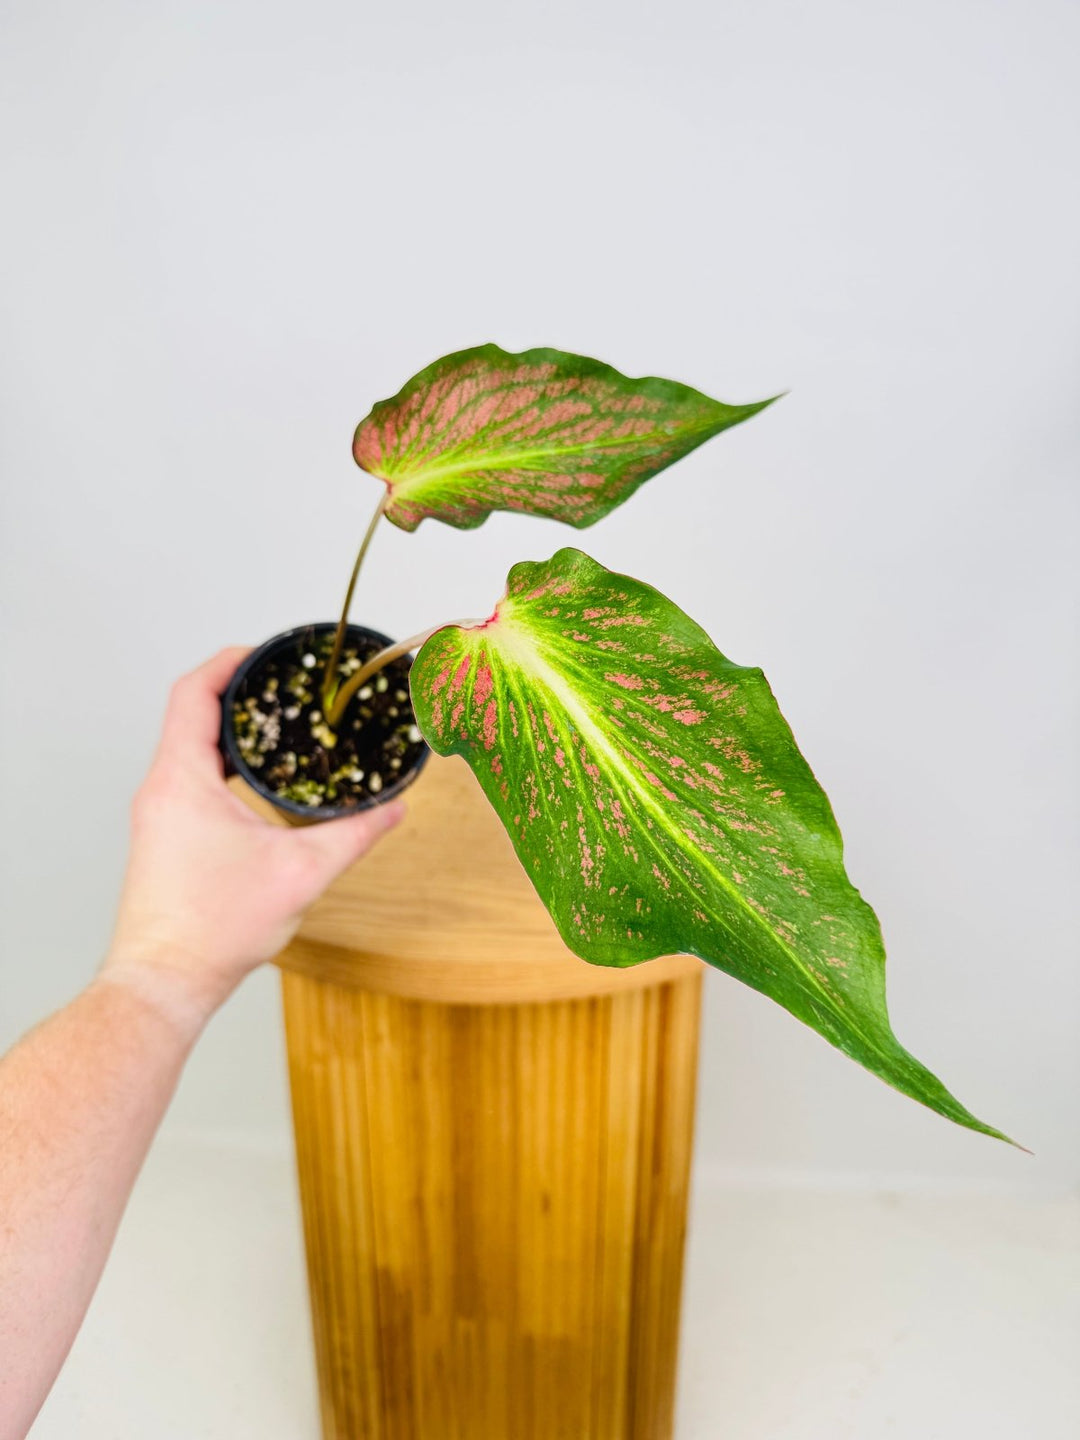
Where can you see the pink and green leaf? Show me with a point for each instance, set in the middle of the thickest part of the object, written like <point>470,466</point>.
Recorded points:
<point>542,432</point>
<point>657,799</point>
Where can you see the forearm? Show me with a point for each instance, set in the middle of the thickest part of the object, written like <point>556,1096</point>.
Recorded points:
<point>211,891</point>
<point>80,1100</point>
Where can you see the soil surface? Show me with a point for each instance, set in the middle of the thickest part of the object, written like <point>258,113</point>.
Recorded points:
<point>283,736</point>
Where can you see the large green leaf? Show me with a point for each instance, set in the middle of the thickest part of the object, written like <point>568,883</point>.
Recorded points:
<point>541,432</point>
<point>656,798</point>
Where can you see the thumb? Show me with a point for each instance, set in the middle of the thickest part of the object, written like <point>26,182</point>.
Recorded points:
<point>338,843</point>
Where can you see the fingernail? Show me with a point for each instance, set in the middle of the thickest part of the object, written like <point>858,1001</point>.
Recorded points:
<point>392,813</point>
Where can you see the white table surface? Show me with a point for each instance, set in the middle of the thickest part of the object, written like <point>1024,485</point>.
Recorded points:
<point>809,1316</point>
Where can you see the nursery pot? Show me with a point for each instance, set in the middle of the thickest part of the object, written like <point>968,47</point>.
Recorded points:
<point>493,1141</point>
<point>290,648</point>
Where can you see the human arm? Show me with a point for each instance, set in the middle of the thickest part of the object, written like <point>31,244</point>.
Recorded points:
<point>211,891</point>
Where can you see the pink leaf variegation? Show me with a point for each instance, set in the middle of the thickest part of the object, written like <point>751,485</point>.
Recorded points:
<point>542,432</point>
<point>658,802</point>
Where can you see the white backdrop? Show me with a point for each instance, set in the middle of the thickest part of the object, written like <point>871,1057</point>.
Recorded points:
<point>231,227</point>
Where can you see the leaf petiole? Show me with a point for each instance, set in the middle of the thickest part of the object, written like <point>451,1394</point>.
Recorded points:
<point>339,701</point>
<point>330,680</point>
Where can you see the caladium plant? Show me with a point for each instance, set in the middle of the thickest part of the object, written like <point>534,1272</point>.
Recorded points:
<point>651,787</point>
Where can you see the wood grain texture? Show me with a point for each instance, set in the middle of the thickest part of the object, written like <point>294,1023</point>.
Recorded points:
<point>494,1206</point>
<point>442,910</point>
<point>493,1140</point>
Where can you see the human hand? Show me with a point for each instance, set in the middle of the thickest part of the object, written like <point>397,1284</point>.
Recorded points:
<point>212,890</point>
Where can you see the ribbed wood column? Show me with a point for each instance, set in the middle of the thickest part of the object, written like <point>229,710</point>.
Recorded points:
<point>493,1150</point>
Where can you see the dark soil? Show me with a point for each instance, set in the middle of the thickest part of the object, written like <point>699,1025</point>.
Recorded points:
<point>283,736</point>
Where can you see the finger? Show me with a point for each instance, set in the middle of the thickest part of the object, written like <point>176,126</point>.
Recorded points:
<point>193,715</point>
<point>339,843</point>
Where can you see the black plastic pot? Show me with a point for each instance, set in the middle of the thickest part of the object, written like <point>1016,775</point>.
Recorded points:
<point>302,637</point>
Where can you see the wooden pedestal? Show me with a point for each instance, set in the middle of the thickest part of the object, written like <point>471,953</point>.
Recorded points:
<point>493,1141</point>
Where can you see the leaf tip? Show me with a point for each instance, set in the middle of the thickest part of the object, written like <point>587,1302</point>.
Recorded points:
<point>756,406</point>
<point>1024,1150</point>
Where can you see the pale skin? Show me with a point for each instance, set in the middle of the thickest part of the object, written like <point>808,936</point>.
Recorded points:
<point>211,892</point>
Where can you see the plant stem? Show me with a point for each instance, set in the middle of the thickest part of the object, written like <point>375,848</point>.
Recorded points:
<point>329,684</point>
<point>336,709</point>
